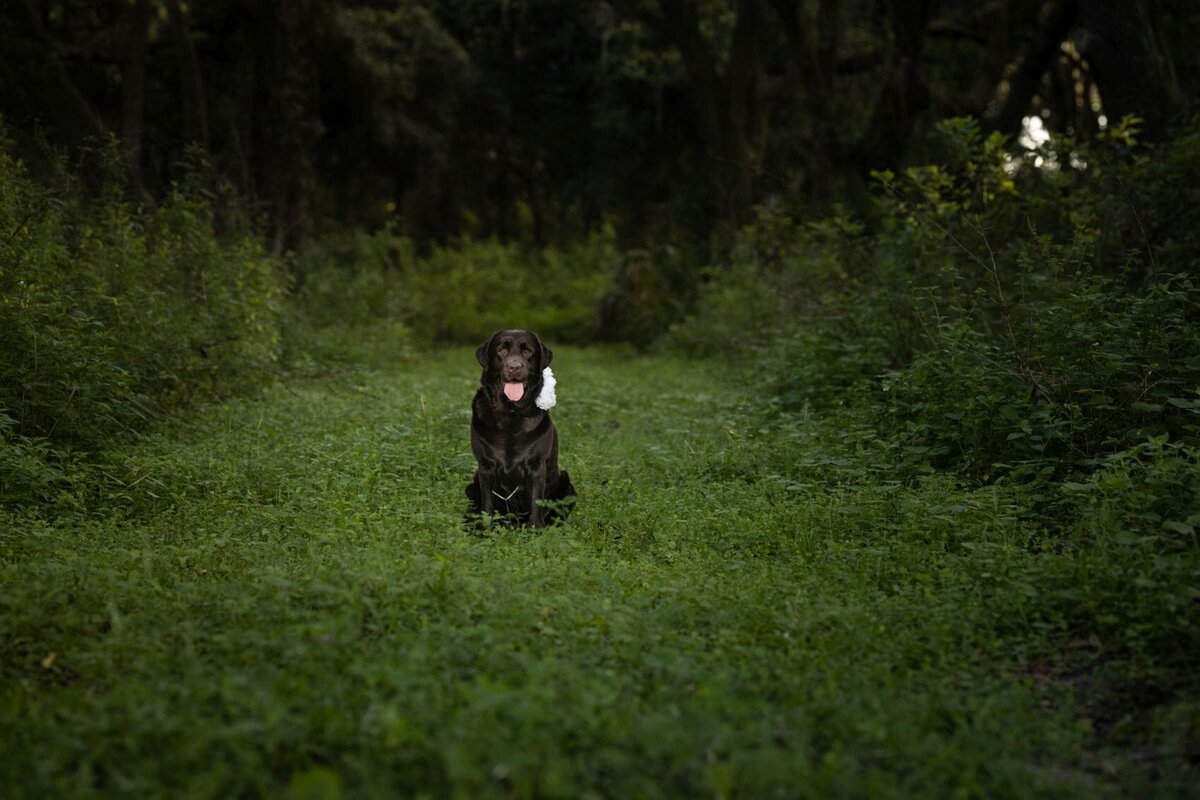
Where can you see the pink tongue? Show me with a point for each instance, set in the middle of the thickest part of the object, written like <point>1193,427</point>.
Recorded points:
<point>514,391</point>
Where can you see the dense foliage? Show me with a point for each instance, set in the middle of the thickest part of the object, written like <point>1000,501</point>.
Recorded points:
<point>111,314</point>
<point>990,321</point>
<point>539,120</point>
<point>462,293</point>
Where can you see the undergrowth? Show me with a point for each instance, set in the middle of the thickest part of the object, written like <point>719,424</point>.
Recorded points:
<point>113,315</point>
<point>986,322</point>
<point>460,293</point>
<point>287,603</point>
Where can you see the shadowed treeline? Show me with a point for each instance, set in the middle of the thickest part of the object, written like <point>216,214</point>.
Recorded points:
<point>538,120</point>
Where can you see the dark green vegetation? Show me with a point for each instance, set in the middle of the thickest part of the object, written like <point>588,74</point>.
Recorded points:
<point>900,509</point>
<point>879,332</point>
<point>110,316</point>
<point>282,598</point>
<point>539,121</point>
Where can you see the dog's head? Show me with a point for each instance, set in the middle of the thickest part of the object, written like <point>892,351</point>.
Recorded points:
<point>512,364</point>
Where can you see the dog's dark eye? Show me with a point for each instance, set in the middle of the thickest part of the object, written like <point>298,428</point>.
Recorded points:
<point>528,353</point>
<point>502,352</point>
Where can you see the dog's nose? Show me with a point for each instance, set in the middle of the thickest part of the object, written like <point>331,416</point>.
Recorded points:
<point>514,370</point>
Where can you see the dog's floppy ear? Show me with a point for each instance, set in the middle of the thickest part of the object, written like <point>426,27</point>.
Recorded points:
<point>546,353</point>
<point>483,352</point>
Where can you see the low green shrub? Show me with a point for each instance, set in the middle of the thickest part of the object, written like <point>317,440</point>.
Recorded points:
<point>974,339</point>
<point>1139,201</point>
<point>1031,336</point>
<point>351,300</point>
<point>353,278</point>
<point>466,292</point>
<point>1088,373</point>
<point>457,293</point>
<point>1149,490</point>
<point>813,367</point>
<point>782,276</point>
<point>111,315</point>
<point>1129,571</point>
<point>651,289</point>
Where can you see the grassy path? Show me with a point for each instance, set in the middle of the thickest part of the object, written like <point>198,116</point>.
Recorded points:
<point>282,602</point>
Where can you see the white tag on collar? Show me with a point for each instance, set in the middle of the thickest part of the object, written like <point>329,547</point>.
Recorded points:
<point>545,399</point>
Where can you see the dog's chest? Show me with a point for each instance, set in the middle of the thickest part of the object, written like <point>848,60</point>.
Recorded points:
<point>510,440</point>
<point>511,476</point>
<point>517,451</point>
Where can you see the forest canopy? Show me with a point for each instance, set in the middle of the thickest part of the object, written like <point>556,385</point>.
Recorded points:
<point>539,121</point>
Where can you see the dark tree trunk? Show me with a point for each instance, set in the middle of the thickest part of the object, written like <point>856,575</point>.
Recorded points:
<point>290,123</point>
<point>903,96</point>
<point>191,84</point>
<point>244,123</point>
<point>73,114</point>
<point>813,46</point>
<point>1056,23</point>
<point>730,109</point>
<point>431,208</point>
<point>133,89</point>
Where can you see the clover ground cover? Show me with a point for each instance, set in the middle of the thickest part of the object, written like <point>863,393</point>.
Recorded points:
<point>279,598</point>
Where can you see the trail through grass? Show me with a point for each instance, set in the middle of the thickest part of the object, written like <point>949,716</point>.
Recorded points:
<point>282,600</point>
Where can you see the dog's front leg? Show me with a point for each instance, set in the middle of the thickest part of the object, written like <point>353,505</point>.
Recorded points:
<point>486,477</point>
<point>536,485</point>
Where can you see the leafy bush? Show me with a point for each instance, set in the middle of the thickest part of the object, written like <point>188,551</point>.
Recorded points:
<point>353,278</point>
<point>651,288</point>
<point>351,301</point>
<point>982,324</point>
<point>819,365</point>
<point>1031,332</point>
<point>1139,201</point>
<point>1033,361</point>
<point>781,275</point>
<point>110,315</point>
<point>1082,375</point>
<point>460,293</point>
<point>467,292</point>
<point>1132,579</point>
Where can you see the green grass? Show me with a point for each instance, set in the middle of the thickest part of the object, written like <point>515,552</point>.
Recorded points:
<point>279,599</point>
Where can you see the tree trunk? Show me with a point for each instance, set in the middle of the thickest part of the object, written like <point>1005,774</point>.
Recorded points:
<point>133,89</point>
<point>74,115</point>
<point>730,108</point>
<point>903,96</point>
<point>1027,77</point>
<point>290,121</point>
<point>813,45</point>
<point>191,85</point>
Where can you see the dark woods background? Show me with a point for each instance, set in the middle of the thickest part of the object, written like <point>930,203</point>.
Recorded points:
<point>539,121</point>
<point>976,223</point>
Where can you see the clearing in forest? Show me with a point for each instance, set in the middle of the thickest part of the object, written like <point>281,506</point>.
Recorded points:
<point>281,598</point>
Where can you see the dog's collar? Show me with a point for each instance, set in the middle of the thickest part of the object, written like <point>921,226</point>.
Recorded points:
<point>545,399</point>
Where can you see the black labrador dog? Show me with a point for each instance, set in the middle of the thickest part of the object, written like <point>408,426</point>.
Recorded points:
<point>514,441</point>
